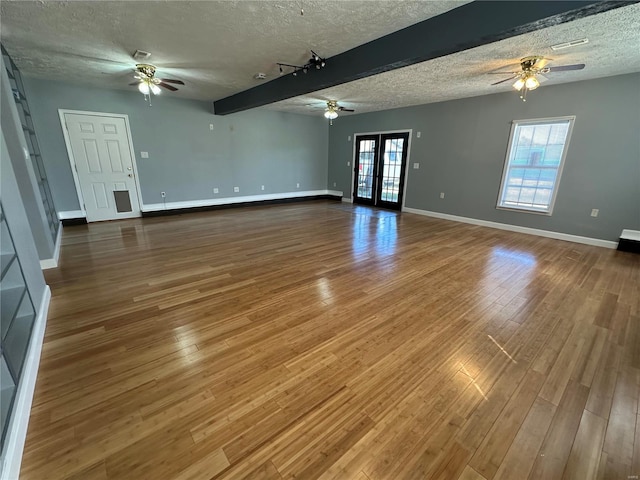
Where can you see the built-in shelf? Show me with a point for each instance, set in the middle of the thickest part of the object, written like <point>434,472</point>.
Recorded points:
<point>17,316</point>
<point>32,141</point>
<point>11,298</point>
<point>5,262</point>
<point>7,391</point>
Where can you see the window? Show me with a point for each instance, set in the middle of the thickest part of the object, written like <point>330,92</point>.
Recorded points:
<point>537,149</point>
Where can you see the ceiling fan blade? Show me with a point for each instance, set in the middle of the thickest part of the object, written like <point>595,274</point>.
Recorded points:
<point>342,109</point>
<point>134,83</point>
<point>502,73</point>
<point>505,80</point>
<point>540,64</point>
<point>169,80</point>
<point>168,87</point>
<point>563,68</point>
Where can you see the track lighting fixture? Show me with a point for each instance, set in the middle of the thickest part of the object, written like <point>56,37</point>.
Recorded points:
<point>315,61</point>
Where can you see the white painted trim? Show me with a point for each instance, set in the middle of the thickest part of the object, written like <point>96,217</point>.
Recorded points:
<point>515,228</point>
<point>630,235</point>
<point>71,214</point>
<point>17,432</point>
<point>53,262</point>
<point>48,263</point>
<point>210,202</point>
<point>76,180</point>
<point>406,168</point>
<point>347,200</point>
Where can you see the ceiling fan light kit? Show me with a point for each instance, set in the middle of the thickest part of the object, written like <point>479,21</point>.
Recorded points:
<point>331,112</point>
<point>147,82</point>
<point>530,69</point>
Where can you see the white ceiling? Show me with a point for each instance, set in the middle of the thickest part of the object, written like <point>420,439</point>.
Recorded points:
<point>217,46</point>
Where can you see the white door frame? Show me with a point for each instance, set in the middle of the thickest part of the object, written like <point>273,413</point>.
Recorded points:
<point>72,161</point>
<point>406,170</point>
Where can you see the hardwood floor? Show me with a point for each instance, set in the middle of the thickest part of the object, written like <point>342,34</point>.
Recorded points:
<point>323,340</point>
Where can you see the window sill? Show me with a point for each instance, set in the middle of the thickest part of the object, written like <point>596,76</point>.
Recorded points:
<point>524,210</point>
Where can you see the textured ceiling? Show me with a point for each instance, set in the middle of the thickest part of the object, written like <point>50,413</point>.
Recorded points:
<point>613,49</point>
<point>217,46</point>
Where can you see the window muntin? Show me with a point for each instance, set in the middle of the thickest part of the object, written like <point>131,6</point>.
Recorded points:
<point>537,149</point>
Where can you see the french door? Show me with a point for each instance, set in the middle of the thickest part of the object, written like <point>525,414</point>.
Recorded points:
<point>379,167</point>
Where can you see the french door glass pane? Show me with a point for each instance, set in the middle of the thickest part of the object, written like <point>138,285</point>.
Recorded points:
<point>365,168</point>
<point>392,166</point>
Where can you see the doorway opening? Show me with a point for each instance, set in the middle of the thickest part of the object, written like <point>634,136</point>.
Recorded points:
<point>103,164</point>
<point>379,169</point>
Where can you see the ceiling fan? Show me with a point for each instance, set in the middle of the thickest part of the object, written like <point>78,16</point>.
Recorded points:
<point>331,112</point>
<point>148,83</point>
<point>531,73</point>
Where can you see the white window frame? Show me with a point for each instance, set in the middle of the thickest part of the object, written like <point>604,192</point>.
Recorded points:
<point>554,193</point>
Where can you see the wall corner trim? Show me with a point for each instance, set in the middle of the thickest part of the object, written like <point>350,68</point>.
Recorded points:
<point>17,431</point>
<point>597,242</point>
<point>53,262</point>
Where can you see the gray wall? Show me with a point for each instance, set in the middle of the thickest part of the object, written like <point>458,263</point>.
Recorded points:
<point>463,146</point>
<point>186,159</point>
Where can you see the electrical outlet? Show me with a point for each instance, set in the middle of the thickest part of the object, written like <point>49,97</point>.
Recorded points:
<point>211,126</point>
<point>418,134</point>
<point>595,212</point>
<point>335,184</point>
<point>262,187</point>
<point>216,190</point>
<point>297,185</point>
<point>236,189</point>
<point>441,194</point>
<point>162,194</point>
<point>416,166</point>
<point>144,154</point>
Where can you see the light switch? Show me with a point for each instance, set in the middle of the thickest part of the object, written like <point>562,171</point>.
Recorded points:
<point>144,154</point>
<point>349,138</point>
<point>416,166</point>
<point>236,189</point>
<point>211,126</point>
<point>418,134</point>
<point>348,164</point>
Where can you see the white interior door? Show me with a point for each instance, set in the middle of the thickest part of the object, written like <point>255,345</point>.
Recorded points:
<point>102,155</point>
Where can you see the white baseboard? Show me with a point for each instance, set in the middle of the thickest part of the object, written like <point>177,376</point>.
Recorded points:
<point>347,200</point>
<point>53,262</point>
<point>515,228</point>
<point>17,431</point>
<point>630,235</point>
<point>71,214</point>
<point>210,202</point>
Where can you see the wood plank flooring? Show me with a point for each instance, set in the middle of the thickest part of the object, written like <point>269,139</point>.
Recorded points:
<point>323,340</point>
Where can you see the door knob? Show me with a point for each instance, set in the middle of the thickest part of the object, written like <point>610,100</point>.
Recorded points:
<point>131,175</point>
<point>128,168</point>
